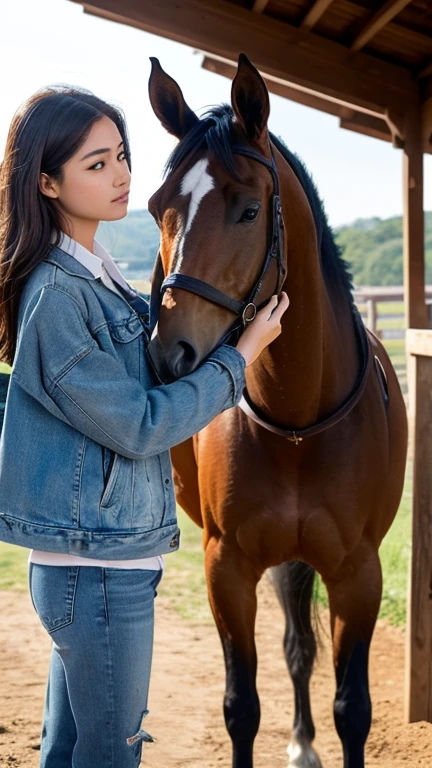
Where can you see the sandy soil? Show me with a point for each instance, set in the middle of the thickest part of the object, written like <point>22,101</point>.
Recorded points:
<point>187,688</point>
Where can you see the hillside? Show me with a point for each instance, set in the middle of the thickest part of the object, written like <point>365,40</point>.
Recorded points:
<point>372,247</point>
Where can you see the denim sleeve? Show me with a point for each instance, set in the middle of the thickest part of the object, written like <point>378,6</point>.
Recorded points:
<point>59,363</point>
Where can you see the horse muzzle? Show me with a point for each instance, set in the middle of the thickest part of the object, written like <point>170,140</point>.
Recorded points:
<point>169,364</point>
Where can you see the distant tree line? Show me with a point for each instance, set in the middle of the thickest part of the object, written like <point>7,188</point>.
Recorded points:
<point>372,247</point>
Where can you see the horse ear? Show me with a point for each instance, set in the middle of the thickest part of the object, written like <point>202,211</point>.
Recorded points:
<point>250,100</point>
<point>168,102</point>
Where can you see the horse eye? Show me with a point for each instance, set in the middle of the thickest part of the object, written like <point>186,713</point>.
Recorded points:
<point>249,214</point>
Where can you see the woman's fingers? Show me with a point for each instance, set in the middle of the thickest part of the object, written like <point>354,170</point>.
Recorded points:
<point>271,306</point>
<point>283,304</point>
<point>278,308</point>
<point>265,328</point>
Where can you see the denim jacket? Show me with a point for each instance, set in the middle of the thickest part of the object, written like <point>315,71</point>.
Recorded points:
<point>84,450</point>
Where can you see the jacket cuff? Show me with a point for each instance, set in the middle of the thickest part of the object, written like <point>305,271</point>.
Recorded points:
<point>231,359</point>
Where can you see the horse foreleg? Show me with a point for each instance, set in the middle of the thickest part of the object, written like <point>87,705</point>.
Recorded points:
<point>354,604</point>
<point>294,585</point>
<point>231,581</point>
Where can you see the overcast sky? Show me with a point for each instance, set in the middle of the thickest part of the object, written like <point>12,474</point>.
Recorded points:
<point>53,41</point>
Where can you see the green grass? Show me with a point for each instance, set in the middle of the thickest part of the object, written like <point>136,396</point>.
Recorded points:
<point>384,307</point>
<point>395,559</point>
<point>13,567</point>
<point>395,347</point>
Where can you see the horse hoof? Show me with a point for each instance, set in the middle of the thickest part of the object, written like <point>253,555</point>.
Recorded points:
<point>302,756</point>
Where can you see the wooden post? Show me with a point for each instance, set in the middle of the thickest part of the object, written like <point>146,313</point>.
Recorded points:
<point>413,221</point>
<point>418,695</point>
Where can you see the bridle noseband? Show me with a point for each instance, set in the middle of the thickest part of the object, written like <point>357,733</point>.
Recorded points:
<point>244,310</point>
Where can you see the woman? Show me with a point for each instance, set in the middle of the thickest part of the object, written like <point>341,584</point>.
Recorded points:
<point>85,474</point>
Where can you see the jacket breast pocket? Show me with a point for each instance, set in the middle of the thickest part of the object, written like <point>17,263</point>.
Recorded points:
<point>127,338</point>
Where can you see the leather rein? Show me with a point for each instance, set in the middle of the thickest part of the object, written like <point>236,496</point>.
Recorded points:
<point>246,311</point>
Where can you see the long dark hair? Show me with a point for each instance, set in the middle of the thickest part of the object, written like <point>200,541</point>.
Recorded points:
<point>44,134</point>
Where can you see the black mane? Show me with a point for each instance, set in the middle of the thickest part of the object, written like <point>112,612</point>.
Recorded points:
<point>214,132</point>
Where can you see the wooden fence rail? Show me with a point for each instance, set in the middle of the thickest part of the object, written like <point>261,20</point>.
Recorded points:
<point>367,299</point>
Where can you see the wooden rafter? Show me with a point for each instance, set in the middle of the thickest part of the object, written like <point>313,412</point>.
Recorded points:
<point>314,13</point>
<point>367,125</point>
<point>287,91</point>
<point>259,6</point>
<point>275,47</point>
<point>389,10</point>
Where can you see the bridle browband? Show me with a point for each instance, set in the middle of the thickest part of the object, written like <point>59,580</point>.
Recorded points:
<point>247,310</point>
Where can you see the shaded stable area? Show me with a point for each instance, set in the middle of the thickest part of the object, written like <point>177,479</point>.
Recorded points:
<point>369,63</point>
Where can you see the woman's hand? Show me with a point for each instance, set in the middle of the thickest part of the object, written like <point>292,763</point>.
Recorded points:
<point>263,330</point>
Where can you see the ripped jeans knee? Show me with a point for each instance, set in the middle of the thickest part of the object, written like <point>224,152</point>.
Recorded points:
<point>141,734</point>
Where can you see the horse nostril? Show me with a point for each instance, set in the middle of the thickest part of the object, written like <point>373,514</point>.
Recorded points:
<point>184,358</point>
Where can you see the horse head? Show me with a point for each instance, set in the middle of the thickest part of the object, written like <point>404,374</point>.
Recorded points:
<point>221,247</point>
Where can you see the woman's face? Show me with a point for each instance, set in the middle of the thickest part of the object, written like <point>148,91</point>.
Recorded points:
<point>94,177</point>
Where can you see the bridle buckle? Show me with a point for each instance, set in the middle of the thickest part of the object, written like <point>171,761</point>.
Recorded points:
<point>245,317</point>
<point>295,439</point>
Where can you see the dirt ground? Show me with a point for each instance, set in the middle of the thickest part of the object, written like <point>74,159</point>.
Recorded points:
<point>186,694</point>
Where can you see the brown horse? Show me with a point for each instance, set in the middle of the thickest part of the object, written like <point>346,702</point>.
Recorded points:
<point>307,474</point>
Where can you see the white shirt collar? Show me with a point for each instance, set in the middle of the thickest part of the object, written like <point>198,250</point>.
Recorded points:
<point>95,262</point>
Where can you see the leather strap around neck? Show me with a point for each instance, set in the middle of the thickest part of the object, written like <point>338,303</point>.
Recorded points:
<point>297,435</point>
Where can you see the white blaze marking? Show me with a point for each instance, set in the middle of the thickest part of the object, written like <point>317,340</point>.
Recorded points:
<point>196,183</point>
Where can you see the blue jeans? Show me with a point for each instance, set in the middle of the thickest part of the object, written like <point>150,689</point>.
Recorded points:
<point>101,622</point>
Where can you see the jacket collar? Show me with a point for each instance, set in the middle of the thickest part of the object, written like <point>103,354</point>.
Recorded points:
<point>68,263</point>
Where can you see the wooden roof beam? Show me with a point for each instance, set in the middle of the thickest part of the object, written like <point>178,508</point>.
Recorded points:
<point>381,126</point>
<point>314,13</point>
<point>224,29</point>
<point>367,125</point>
<point>389,10</point>
<point>305,98</point>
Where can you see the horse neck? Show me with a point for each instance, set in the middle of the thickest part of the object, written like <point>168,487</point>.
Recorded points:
<point>309,370</point>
